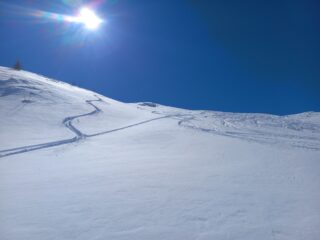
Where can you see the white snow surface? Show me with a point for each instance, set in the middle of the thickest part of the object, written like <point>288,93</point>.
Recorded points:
<point>78,165</point>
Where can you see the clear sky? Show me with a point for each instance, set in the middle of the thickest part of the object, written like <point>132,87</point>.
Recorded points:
<point>238,56</point>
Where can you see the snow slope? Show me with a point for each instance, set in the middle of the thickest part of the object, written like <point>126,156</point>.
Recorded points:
<point>77,165</point>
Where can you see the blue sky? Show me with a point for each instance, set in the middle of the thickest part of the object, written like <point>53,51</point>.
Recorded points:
<point>238,56</point>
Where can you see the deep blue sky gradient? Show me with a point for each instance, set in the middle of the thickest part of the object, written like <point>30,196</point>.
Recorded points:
<point>238,56</point>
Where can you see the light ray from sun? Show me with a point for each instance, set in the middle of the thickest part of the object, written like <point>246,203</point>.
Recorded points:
<point>86,16</point>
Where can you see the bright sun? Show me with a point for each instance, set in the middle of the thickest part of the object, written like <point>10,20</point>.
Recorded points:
<point>89,18</point>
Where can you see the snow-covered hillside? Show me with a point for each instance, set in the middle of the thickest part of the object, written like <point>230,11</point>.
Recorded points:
<point>78,165</point>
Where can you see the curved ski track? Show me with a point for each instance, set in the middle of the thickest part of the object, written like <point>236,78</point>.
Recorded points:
<point>78,134</point>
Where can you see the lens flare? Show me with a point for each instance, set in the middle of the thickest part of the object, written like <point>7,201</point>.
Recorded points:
<point>89,18</point>
<point>86,16</point>
<point>77,29</point>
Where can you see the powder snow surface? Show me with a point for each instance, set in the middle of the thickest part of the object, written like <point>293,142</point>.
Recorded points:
<point>77,165</point>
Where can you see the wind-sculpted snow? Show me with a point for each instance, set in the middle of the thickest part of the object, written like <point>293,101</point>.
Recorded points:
<point>287,130</point>
<point>299,130</point>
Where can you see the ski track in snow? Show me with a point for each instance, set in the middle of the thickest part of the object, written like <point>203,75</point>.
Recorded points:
<point>79,135</point>
<point>310,143</point>
<point>262,137</point>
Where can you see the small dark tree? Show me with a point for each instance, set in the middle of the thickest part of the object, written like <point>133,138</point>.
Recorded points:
<point>17,66</point>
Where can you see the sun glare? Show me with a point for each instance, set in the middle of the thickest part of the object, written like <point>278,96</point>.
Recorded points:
<point>89,18</point>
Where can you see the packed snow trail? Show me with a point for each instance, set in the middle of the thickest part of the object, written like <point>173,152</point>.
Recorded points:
<point>132,125</point>
<point>79,135</point>
<point>67,122</point>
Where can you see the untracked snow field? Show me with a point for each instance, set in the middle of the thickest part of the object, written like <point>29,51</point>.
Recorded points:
<point>77,165</point>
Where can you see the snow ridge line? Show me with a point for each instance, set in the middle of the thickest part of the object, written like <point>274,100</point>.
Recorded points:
<point>79,135</point>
